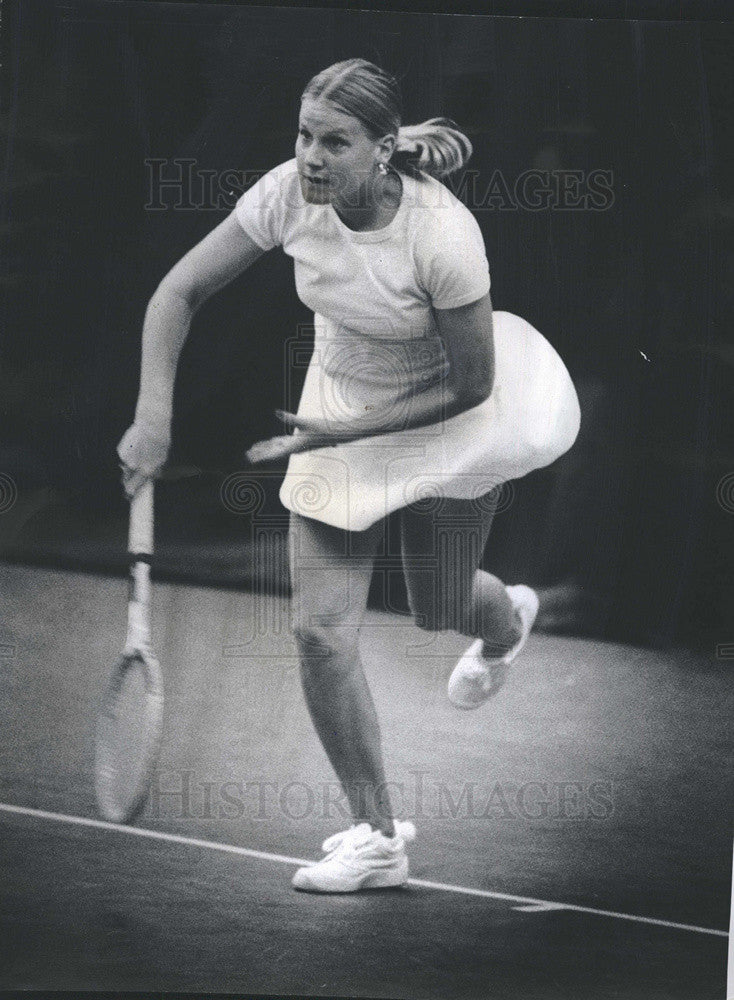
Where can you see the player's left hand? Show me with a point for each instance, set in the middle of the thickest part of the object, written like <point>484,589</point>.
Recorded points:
<point>270,450</point>
<point>281,447</point>
<point>309,435</point>
<point>306,424</point>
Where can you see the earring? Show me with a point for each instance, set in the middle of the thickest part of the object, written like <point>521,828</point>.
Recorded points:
<point>382,168</point>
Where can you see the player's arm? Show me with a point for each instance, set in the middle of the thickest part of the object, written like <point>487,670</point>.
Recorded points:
<point>213,263</point>
<point>467,335</point>
<point>468,338</point>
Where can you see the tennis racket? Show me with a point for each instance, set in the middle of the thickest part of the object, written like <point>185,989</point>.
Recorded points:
<point>130,721</point>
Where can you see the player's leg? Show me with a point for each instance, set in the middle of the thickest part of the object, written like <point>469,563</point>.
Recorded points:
<point>442,548</point>
<point>330,577</point>
<point>442,543</point>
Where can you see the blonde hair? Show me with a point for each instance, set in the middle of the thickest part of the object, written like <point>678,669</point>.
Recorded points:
<point>371,95</point>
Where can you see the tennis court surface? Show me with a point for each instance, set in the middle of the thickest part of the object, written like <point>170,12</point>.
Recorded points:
<point>574,835</point>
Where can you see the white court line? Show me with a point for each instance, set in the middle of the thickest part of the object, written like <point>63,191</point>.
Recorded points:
<point>212,845</point>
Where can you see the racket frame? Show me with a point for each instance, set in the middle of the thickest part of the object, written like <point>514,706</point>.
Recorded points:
<point>137,652</point>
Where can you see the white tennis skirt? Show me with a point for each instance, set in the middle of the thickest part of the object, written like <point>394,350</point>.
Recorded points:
<point>531,418</point>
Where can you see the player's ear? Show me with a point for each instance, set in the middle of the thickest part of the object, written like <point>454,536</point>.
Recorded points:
<point>385,147</point>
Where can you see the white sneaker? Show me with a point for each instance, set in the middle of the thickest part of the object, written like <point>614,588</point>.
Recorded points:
<point>359,858</point>
<point>476,678</point>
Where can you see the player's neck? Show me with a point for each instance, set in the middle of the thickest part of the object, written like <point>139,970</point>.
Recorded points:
<point>378,213</point>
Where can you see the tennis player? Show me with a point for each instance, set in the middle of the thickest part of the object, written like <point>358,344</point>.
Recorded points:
<point>416,399</point>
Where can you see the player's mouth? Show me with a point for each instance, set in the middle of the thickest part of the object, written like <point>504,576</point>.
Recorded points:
<point>315,189</point>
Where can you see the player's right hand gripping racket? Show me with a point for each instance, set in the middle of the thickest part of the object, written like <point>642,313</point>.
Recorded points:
<point>130,722</point>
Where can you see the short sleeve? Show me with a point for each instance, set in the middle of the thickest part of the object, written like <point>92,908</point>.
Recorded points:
<point>262,208</point>
<point>456,271</point>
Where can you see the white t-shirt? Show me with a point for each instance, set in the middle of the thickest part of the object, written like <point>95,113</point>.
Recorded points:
<point>382,283</point>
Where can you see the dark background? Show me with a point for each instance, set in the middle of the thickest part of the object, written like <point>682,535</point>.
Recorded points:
<point>636,521</point>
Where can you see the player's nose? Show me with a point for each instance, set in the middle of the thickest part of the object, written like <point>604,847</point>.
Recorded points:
<point>314,158</point>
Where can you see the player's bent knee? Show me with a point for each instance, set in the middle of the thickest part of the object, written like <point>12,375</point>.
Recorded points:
<point>325,642</point>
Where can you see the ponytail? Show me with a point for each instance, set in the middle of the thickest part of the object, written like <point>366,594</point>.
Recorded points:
<point>371,95</point>
<point>435,147</point>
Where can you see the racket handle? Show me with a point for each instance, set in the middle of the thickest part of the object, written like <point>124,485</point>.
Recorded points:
<point>140,537</point>
<point>140,549</point>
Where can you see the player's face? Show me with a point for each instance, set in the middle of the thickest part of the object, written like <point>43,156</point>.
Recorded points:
<point>337,158</point>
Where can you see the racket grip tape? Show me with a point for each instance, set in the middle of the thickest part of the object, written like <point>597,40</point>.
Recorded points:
<point>140,551</point>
